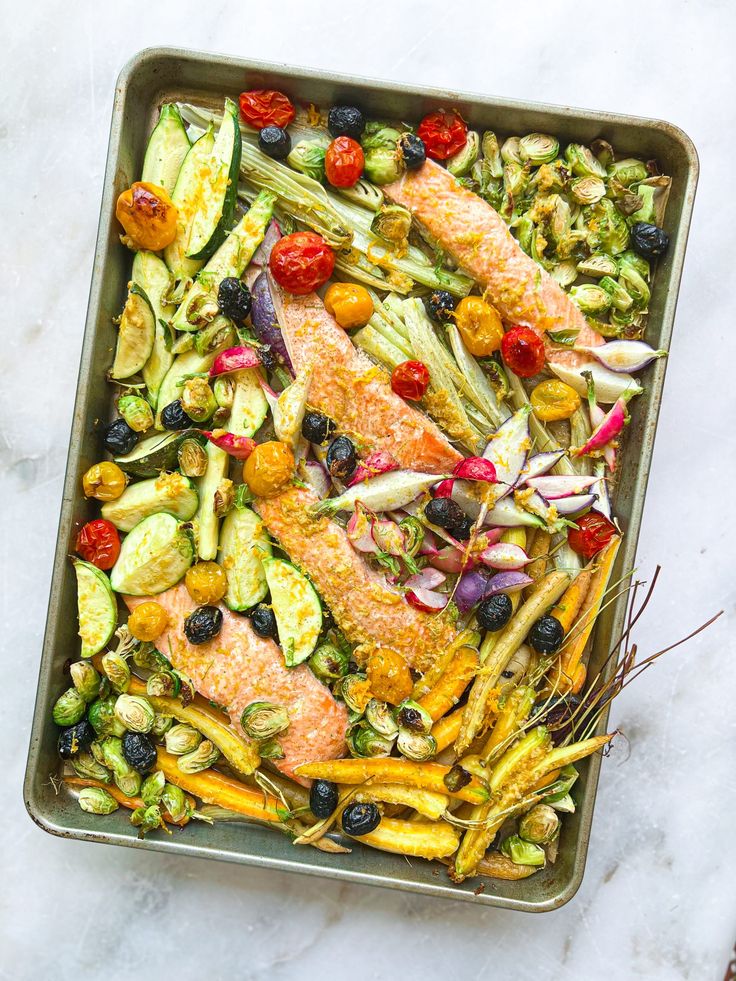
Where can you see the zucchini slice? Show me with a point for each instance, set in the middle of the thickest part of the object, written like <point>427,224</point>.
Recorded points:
<point>244,544</point>
<point>250,406</point>
<point>156,453</point>
<point>167,147</point>
<point>297,609</point>
<point>171,493</point>
<point>135,336</point>
<point>214,215</point>
<point>231,259</point>
<point>190,363</point>
<point>186,196</point>
<point>154,278</point>
<point>97,607</point>
<point>208,523</point>
<point>153,557</point>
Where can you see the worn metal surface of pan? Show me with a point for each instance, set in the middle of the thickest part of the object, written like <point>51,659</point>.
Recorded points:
<point>159,75</point>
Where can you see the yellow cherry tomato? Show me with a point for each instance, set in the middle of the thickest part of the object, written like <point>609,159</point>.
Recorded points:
<point>269,469</point>
<point>206,583</point>
<point>552,400</point>
<point>350,305</point>
<point>148,621</point>
<point>148,216</point>
<point>389,676</point>
<point>480,326</point>
<point>105,481</point>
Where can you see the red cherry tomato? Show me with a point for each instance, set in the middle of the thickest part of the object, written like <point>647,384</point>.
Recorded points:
<point>410,380</point>
<point>98,542</point>
<point>344,162</point>
<point>443,133</point>
<point>523,351</point>
<point>266,107</point>
<point>593,533</point>
<point>301,262</point>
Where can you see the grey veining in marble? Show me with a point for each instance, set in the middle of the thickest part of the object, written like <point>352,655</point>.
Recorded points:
<point>659,896</point>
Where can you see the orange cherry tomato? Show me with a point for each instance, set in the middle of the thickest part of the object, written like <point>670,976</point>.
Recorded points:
<point>443,134</point>
<point>480,326</point>
<point>104,481</point>
<point>148,621</point>
<point>351,305</point>
<point>344,162</point>
<point>523,351</point>
<point>553,400</point>
<point>206,583</point>
<point>266,107</point>
<point>301,262</point>
<point>269,469</point>
<point>98,542</point>
<point>389,676</point>
<point>410,380</point>
<point>148,216</point>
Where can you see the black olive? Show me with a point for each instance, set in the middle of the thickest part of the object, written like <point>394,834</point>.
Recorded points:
<point>412,150</point>
<point>75,739</point>
<point>341,458</point>
<point>546,635</point>
<point>139,751</point>
<point>119,438</point>
<point>275,142</point>
<point>203,624</point>
<point>323,798</point>
<point>360,819</point>
<point>441,306</point>
<point>410,718</point>
<point>233,299</point>
<point>461,531</point>
<point>346,121</point>
<point>264,621</point>
<point>495,612</point>
<point>317,428</point>
<point>445,513</point>
<point>268,357</point>
<point>173,416</point>
<point>649,241</point>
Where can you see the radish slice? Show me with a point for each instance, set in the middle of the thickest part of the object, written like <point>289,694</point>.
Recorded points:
<point>239,447</point>
<point>552,488</point>
<point>452,560</point>
<point>234,359</point>
<point>607,429</point>
<point>609,385</point>
<point>621,356</point>
<point>541,463</point>
<point>388,536</point>
<point>426,579</point>
<point>429,544</point>
<point>508,448</point>
<point>575,504</point>
<point>427,600</point>
<point>508,514</point>
<point>470,589</point>
<point>507,582</point>
<point>476,468</point>
<point>378,462</point>
<point>359,530</point>
<point>504,555</point>
<point>444,488</point>
<point>317,477</point>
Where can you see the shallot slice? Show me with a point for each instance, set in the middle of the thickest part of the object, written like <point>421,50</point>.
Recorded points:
<point>621,356</point>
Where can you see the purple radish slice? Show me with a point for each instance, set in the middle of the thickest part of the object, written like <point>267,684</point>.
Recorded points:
<point>601,489</point>
<point>508,448</point>
<point>263,252</point>
<point>470,589</point>
<point>234,359</point>
<point>541,463</point>
<point>507,582</point>
<point>505,556</point>
<point>427,600</point>
<point>265,320</point>
<point>552,488</point>
<point>576,504</point>
<point>621,356</point>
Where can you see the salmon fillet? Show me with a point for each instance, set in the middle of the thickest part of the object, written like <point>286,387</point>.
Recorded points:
<point>239,667</point>
<point>349,388</point>
<point>476,236</point>
<point>368,610</point>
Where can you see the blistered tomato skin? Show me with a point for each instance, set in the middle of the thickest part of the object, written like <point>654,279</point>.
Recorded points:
<point>266,107</point>
<point>480,326</point>
<point>523,351</point>
<point>269,469</point>
<point>98,542</point>
<point>148,621</point>
<point>389,676</point>
<point>351,305</point>
<point>443,133</point>
<point>104,481</point>
<point>206,582</point>
<point>301,262</point>
<point>553,400</point>
<point>148,216</point>
<point>344,162</point>
<point>594,531</point>
<point>410,380</point>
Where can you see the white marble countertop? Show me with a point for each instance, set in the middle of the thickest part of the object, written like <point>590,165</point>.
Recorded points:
<point>659,896</point>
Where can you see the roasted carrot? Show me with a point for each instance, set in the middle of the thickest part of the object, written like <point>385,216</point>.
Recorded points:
<point>427,776</point>
<point>131,803</point>
<point>428,803</point>
<point>516,708</point>
<point>497,866</point>
<point>467,638</point>
<point>215,788</point>
<point>568,607</point>
<point>450,686</point>
<point>446,729</point>
<point>422,839</point>
<point>538,551</point>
